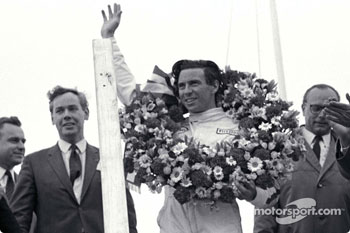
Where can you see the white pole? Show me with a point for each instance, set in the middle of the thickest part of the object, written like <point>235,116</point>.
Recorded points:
<point>111,157</point>
<point>229,35</point>
<point>258,36</point>
<point>278,50</point>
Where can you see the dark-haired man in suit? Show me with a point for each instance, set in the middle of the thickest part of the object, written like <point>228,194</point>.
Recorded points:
<point>11,154</point>
<point>61,184</point>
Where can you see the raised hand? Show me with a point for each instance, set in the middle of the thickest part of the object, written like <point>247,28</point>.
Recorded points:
<point>338,112</point>
<point>111,23</point>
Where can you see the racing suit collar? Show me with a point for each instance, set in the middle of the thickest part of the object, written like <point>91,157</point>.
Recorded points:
<point>209,115</point>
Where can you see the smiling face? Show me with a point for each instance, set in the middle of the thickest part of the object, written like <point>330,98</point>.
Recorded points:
<point>315,118</point>
<point>11,146</point>
<point>68,116</point>
<point>194,92</point>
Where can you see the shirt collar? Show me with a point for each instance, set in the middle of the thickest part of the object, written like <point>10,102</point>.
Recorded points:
<point>210,114</point>
<point>309,137</point>
<point>3,170</point>
<point>65,146</point>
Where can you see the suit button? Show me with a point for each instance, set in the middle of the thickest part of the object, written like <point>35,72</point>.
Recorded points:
<point>320,185</point>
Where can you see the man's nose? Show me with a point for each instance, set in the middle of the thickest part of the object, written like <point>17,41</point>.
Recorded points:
<point>187,89</point>
<point>20,146</point>
<point>66,114</point>
<point>322,113</point>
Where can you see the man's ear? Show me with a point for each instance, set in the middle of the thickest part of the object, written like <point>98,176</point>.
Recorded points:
<point>216,86</point>
<point>303,108</point>
<point>53,123</point>
<point>87,113</point>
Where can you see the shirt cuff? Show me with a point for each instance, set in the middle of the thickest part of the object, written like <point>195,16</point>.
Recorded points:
<point>265,197</point>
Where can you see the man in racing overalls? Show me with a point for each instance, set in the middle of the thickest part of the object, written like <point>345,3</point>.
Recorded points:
<point>197,84</point>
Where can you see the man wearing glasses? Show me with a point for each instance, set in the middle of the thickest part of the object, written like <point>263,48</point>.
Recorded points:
<point>316,182</point>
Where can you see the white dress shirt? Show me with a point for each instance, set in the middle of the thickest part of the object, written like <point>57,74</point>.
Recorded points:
<point>65,149</point>
<point>4,178</point>
<point>324,144</point>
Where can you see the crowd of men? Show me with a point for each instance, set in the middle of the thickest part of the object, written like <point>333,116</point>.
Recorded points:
<point>58,189</point>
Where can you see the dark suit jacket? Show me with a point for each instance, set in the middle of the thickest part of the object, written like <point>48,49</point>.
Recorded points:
<point>323,184</point>
<point>44,186</point>
<point>8,223</point>
<point>344,162</point>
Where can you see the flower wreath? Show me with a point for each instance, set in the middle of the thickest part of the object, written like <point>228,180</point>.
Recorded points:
<point>267,143</point>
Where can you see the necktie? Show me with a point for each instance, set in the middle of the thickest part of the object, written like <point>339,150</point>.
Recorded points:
<point>74,164</point>
<point>10,185</point>
<point>316,148</point>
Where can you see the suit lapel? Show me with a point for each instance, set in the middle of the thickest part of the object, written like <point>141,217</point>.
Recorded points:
<point>56,162</point>
<point>312,159</point>
<point>92,159</point>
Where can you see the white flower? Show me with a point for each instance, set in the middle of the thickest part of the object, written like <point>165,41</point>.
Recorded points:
<point>278,166</point>
<point>206,169</point>
<point>272,96</point>
<point>276,120</point>
<point>265,126</point>
<point>231,113</point>
<point>160,102</point>
<point>247,92</point>
<point>179,148</point>
<point>209,151</point>
<point>163,154</point>
<point>127,125</point>
<point>177,174</point>
<point>201,192</point>
<point>230,161</point>
<point>150,106</point>
<point>221,152</point>
<point>145,161</point>
<point>140,128</point>
<point>164,111</point>
<point>137,120</point>
<point>252,176</point>
<point>275,155</point>
<point>271,145</point>
<point>186,182</point>
<point>167,170</point>
<point>218,174</point>
<point>197,166</point>
<point>216,194</point>
<point>255,164</point>
<point>241,85</point>
<point>180,158</point>
<point>243,142</point>
<point>257,112</point>
<point>218,185</point>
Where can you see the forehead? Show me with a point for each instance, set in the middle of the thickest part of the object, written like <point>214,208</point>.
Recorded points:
<point>66,99</point>
<point>10,130</point>
<point>320,96</point>
<point>191,74</point>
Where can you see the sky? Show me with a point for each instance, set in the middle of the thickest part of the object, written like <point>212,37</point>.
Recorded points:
<point>46,43</point>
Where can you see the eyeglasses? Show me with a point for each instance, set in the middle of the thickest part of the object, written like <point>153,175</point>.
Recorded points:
<point>316,108</point>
